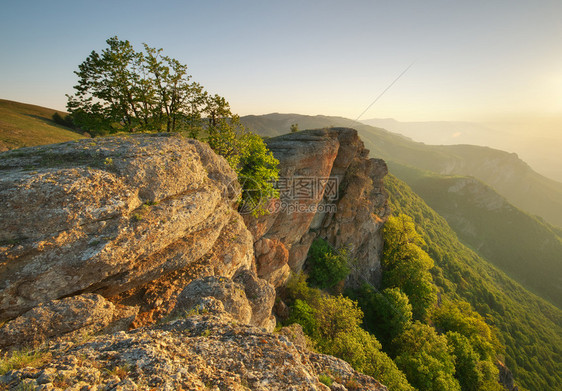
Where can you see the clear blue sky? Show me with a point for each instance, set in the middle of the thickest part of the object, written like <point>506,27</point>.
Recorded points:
<point>473,60</point>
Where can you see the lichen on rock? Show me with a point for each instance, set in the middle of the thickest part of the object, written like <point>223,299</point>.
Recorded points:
<point>137,241</point>
<point>108,216</point>
<point>206,350</point>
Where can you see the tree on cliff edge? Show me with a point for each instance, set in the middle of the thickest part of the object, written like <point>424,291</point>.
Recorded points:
<point>121,89</point>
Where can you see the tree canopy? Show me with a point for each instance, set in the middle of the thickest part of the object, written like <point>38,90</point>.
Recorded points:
<point>121,89</point>
<point>124,90</point>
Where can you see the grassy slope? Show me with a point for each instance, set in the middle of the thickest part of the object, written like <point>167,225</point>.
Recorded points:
<point>523,246</point>
<point>529,327</point>
<point>505,172</point>
<point>24,125</point>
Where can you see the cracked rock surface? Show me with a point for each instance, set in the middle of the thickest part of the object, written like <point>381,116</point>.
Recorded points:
<point>205,351</point>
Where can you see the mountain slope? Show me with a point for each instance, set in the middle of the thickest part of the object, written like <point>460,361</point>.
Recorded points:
<point>538,148</point>
<point>505,172</point>
<point>529,327</point>
<point>524,247</point>
<point>24,125</point>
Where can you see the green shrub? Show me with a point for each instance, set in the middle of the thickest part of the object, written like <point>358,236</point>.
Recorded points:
<point>387,313</point>
<point>64,121</point>
<point>327,266</point>
<point>303,314</point>
<point>334,325</point>
<point>472,372</point>
<point>426,359</point>
<point>257,168</point>
<point>407,266</point>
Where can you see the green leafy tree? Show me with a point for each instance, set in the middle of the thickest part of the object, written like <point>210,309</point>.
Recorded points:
<point>121,89</point>
<point>406,265</point>
<point>426,359</point>
<point>64,121</point>
<point>327,265</point>
<point>458,316</point>
<point>258,164</point>
<point>105,97</point>
<point>333,324</point>
<point>303,314</point>
<point>387,313</point>
<point>472,373</point>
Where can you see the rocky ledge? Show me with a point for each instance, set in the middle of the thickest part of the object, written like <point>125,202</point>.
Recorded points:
<point>206,350</point>
<point>133,219</point>
<point>344,202</point>
<point>116,237</point>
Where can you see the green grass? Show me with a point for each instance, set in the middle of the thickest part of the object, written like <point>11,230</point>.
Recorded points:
<point>18,359</point>
<point>325,379</point>
<point>24,125</point>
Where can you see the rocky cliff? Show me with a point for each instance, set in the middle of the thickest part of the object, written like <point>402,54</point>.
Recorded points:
<point>113,234</point>
<point>329,188</point>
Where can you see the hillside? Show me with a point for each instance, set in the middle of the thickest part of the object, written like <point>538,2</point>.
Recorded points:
<point>24,125</point>
<point>540,151</point>
<point>524,247</point>
<point>505,172</point>
<point>529,327</point>
<point>155,246</point>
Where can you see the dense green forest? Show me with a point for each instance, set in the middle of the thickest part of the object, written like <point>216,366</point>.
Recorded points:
<point>529,327</point>
<point>442,317</point>
<point>523,246</point>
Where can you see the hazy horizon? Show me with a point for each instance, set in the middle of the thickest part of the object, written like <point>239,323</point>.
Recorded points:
<point>483,62</point>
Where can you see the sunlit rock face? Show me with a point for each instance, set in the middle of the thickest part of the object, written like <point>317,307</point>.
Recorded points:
<point>205,350</point>
<point>329,188</point>
<point>114,215</point>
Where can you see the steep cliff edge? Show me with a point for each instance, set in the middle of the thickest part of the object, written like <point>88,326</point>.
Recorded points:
<point>329,188</point>
<point>111,234</point>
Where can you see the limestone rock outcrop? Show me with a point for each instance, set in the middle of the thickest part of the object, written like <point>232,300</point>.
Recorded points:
<point>84,313</point>
<point>246,298</point>
<point>112,235</point>
<point>116,216</point>
<point>329,188</point>
<point>202,351</point>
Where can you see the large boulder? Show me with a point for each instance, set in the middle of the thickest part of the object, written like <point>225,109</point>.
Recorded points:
<point>111,215</point>
<point>248,299</point>
<point>87,313</point>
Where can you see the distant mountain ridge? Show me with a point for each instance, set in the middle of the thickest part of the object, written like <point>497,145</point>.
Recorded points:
<point>524,247</point>
<point>505,172</point>
<point>536,148</point>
